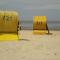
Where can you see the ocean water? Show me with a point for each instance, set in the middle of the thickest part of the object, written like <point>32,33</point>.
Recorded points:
<point>28,25</point>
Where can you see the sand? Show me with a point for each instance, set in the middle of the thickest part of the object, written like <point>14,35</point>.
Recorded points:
<point>32,47</point>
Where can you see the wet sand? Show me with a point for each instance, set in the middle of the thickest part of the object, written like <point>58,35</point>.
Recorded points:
<point>32,47</point>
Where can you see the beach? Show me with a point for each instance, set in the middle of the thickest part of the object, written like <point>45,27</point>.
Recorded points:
<point>32,47</point>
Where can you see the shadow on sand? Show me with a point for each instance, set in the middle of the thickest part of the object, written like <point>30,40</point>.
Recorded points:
<point>23,39</point>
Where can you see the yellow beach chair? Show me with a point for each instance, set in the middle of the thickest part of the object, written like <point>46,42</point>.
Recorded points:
<point>9,26</point>
<point>40,25</point>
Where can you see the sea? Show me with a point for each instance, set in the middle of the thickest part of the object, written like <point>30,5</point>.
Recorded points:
<point>28,25</point>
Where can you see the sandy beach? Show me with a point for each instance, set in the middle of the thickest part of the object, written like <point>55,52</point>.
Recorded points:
<point>32,47</point>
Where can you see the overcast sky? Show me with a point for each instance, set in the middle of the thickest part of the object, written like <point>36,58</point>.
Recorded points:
<point>28,8</point>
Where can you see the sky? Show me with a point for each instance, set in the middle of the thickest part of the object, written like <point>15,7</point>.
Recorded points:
<point>29,8</point>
